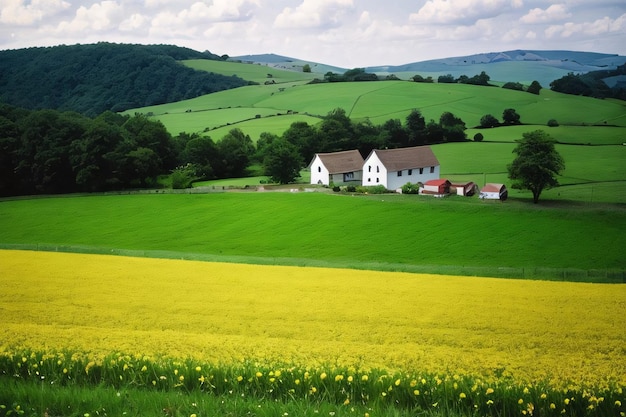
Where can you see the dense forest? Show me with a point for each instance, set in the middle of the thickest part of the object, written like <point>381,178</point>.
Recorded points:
<point>91,79</point>
<point>592,84</point>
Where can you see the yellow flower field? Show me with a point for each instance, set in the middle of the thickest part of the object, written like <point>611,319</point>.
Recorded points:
<point>225,313</point>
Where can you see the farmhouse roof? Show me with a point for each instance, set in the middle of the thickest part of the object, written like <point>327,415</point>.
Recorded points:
<point>492,188</point>
<point>407,158</point>
<point>344,161</point>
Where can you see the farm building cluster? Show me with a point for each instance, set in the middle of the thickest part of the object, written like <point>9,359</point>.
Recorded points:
<point>393,168</point>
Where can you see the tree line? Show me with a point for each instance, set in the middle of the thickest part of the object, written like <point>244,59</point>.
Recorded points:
<point>91,79</point>
<point>49,151</point>
<point>592,84</point>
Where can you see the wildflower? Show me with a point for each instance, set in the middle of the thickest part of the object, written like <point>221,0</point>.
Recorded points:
<point>489,391</point>
<point>198,369</point>
<point>413,383</point>
<point>323,376</point>
<point>239,378</point>
<point>125,368</point>
<point>338,378</point>
<point>201,379</point>
<point>277,374</point>
<point>489,402</point>
<point>416,392</point>
<point>144,368</point>
<point>297,382</point>
<point>364,378</point>
<point>543,396</point>
<point>313,390</point>
<point>566,401</point>
<point>618,403</point>
<point>259,374</point>
<point>64,370</point>
<point>181,378</point>
<point>552,406</point>
<point>397,383</point>
<point>346,402</point>
<point>462,395</point>
<point>193,415</point>
<point>520,401</point>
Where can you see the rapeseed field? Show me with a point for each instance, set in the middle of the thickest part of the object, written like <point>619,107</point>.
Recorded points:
<point>477,345</point>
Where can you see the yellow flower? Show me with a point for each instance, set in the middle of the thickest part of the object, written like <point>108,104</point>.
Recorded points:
<point>413,383</point>
<point>193,415</point>
<point>259,374</point>
<point>520,401</point>
<point>181,378</point>
<point>323,376</point>
<point>566,401</point>
<point>346,402</point>
<point>277,374</point>
<point>416,392</point>
<point>364,378</point>
<point>543,396</point>
<point>313,390</point>
<point>198,369</point>
<point>338,378</point>
<point>201,379</point>
<point>239,378</point>
<point>144,368</point>
<point>552,406</point>
<point>64,370</point>
<point>462,395</point>
<point>397,383</point>
<point>489,402</point>
<point>297,382</point>
<point>489,391</point>
<point>350,378</point>
<point>618,403</point>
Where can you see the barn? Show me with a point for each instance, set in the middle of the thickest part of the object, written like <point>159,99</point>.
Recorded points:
<point>439,187</point>
<point>464,188</point>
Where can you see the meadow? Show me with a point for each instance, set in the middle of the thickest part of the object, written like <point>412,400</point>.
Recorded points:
<point>273,337</point>
<point>454,235</point>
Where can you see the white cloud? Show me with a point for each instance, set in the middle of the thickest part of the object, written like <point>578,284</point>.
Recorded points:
<point>19,12</point>
<point>313,14</point>
<point>553,13</point>
<point>605,25</point>
<point>99,17</point>
<point>461,11</point>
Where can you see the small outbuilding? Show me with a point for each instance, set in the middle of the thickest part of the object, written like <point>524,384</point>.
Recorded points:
<point>440,186</point>
<point>465,189</point>
<point>492,191</point>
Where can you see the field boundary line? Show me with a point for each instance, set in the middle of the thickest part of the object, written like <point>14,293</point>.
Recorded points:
<point>599,275</point>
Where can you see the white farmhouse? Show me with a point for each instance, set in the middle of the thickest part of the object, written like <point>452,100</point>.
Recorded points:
<point>336,167</point>
<point>392,168</point>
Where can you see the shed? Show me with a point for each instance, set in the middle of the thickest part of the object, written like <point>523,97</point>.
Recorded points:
<point>464,188</point>
<point>492,191</point>
<point>439,186</point>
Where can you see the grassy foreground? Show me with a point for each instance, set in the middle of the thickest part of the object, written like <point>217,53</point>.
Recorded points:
<point>390,232</point>
<point>177,335</point>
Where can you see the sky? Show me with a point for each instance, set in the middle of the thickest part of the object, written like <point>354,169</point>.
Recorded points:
<point>343,33</point>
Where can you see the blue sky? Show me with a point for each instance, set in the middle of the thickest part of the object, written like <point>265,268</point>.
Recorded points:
<point>345,33</point>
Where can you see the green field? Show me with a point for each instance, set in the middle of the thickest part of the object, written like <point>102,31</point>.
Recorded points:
<point>377,232</point>
<point>257,73</point>
<point>381,101</point>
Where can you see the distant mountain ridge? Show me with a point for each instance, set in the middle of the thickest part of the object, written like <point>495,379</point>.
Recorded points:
<point>516,65</point>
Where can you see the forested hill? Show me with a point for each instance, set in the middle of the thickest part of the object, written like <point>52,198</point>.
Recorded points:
<point>91,79</point>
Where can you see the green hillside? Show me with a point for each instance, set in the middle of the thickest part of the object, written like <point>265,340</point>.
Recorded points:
<point>251,72</point>
<point>379,102</point>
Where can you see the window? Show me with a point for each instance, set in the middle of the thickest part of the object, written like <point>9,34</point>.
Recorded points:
<point>377,168</point>
<point>421,171</point>
<point>399,173</point>
<point>410,172</point>
<point>432,170</point>
<point>369,168</point>
<point>369,180</point>
<point>377,180</point>
<point>319,169</point>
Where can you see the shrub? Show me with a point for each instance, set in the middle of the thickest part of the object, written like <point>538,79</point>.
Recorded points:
<point>351,189</point>
<point>553,123</point>
<point>336,188</point>
<point>409,188</point>
<point>478,137</point>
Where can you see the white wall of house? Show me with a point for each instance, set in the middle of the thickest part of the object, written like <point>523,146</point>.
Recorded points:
<point>413,176</point>
<point>319,173</point>
<point>374,172</point>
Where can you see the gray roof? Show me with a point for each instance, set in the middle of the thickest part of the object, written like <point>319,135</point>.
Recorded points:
<point>407,158</point>
<point>344,161</point>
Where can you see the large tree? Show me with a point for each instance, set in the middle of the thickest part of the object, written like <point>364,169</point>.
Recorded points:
<point>282,161</point>
<point>537,163</point>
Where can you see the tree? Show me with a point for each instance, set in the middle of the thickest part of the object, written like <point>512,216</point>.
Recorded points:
<point>448,79</point>
<point>478,137</point>
<point>306,68</point>
<point>534,87</point>
<point>415,126</point>
<point>236,149</point>
<point>488,120</point>
<point>537,163</point>
<point>282,161</point>
<point>510,117</point>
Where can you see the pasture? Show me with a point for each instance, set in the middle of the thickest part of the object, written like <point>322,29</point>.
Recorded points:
<point>390,232</point>
<point>381,101</point>
<point>433,345</point>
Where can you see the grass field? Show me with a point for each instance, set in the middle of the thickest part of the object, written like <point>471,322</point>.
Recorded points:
<point>316,228</point>
<point>256,73</point>
<point>425,344</point>
<point>381,101</point>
